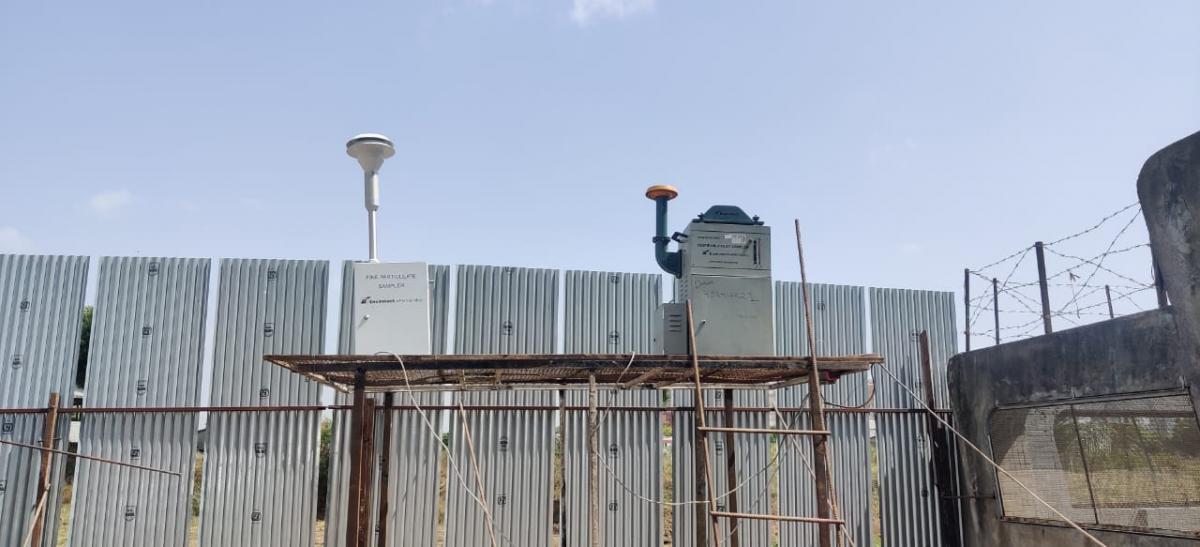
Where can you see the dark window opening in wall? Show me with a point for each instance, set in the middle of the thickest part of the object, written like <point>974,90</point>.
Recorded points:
<point>1130,462</point>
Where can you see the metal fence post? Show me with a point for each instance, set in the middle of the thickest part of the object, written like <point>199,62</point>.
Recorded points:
<point>967,308</point>
<point>1045,288</point>
<point>996,307</point>
<point>1108,296</point>
<point>940,454</point>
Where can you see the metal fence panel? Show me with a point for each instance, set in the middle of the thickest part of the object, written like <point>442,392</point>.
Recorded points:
<point>839,326</point>
<point>840,329</point>
<point>503,310</point>
<point>19,469</point>
<point>850,458</point>
<point>41,306</point>
<point>896,316</point>
<point>413,468</point>
<point>909,510</point>
<point>910,515</point>
<point>608,312</point>
<point>265,307</point>
<point>146,351</point>
<point>41,303</point>
<point>148,332</point>
<point>260,470</point>
<point>754,467</point>
<point>260,479</point>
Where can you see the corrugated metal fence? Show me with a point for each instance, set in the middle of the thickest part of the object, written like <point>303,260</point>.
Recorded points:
<point>259,478</point>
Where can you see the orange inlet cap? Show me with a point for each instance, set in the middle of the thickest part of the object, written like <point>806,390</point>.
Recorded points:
<point>662,191</point>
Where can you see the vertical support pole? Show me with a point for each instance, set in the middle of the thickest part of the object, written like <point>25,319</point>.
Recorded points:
<point>996,307</point>
<point>593,465</point>
<point>731,477</point>
<point>939,465</point>
<point>1160,287</point>
<point>368,467</point>
<point>49,428</point>
<point>1108,296</point>
<point>816,407</point>
<point>560,512</point>
<point>385,462</point>
<point>967,308</point>
<point>354,499</point>
<point>1045,288</point>
<point>702,445</point>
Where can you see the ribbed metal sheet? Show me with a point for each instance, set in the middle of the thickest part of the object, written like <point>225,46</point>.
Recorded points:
<point>146,350</point>
<point>608,312</point>
<point>264,307</point>
<point>413,468</point>
<point>909,511</point>
<point>504,310</point>
<point>41,307</point>
<point>850,457</point>
<point>260,481</point>
<point>840,329</point>
<point>413,473</point>
<point>910,515</point>
<point>260,470</point>
<point>754,467</point>
<point>896,317</point>
<point>18,479</point>
<point>41,303</point>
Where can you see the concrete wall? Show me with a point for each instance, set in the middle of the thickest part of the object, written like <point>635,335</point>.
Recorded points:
<point>1136,353</point>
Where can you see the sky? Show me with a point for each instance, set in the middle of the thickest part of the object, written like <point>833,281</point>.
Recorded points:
<point>910,139</point>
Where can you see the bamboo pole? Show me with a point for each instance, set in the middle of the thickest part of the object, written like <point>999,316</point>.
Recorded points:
<point>702,436</point>
<point>816,408</point>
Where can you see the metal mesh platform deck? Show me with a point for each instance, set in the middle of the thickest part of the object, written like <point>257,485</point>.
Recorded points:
<point>462,372</point>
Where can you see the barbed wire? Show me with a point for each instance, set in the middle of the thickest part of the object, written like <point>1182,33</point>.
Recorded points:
<point>1081,281</point>
<point>1103,257</point>
<point>1098,224</point>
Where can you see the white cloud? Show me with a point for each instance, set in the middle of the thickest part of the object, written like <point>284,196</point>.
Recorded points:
<point>13,241</point>
<point>108,204</point>
<point>585,11</point>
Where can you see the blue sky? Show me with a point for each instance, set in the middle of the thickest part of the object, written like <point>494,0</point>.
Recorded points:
<point>910,138</point>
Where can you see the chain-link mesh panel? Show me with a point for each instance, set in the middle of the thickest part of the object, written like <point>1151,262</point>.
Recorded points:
<point>1143,458</point>
<point>1131,462</point>
<point>1040,448</point>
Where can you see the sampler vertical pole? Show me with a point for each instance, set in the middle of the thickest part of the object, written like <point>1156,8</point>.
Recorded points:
<point>967,308</point>
<point>1045,288</point>
<point>996,307</point>
<point>1108,296</point>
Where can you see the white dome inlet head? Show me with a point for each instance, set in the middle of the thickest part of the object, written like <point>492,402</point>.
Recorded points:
<point>370,149</point>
